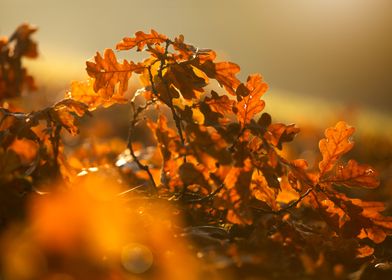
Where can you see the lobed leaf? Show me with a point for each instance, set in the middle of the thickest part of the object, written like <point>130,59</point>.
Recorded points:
<point>223,72</point>
<point>354,174</point>
<point>335,144</point>
<point>219,104</point>
<point>108,73</point>
<point>84,92</point>
<point>250,104</point>
<point>62,111</point>
<point>279,133</point>
<point>140,40</point>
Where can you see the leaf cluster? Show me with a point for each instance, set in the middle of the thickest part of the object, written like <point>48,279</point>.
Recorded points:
<point>218,156</point>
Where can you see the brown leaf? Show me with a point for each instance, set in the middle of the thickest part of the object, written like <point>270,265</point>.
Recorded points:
<point>140,40</point>
<point>336,143</point>
<point>108,73</point>
<point>251,104</point>
<point>355,175</point>
<point>191,175</point>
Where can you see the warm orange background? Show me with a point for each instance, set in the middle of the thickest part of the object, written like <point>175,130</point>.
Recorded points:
<point>319,57</point>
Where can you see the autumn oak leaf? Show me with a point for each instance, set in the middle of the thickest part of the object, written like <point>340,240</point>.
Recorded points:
<point>219,104</point>
<point>335,144</point>
<point>251,104</point>
<point>83,91</point>
<point>140,40</point>
<point>108,73</point>
<point>354,175</point>
<point>224,72</point>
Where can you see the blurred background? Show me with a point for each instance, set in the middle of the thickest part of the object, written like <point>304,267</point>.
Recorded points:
<point>323,59</point>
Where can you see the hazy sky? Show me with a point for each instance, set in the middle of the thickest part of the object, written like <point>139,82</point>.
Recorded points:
<point>340,50</point>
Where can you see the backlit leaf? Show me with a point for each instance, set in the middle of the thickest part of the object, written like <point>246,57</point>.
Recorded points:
<point>84,92</point>
<point>223,72</point>
<point>355,175</point>
<point>140,40</point>
<point>251,104</point>
<point>336,143</point>
<point>110,76</point>
<point>220,104</point>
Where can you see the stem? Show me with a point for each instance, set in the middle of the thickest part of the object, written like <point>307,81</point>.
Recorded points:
<point>132,152</point>
<point>176,118</point>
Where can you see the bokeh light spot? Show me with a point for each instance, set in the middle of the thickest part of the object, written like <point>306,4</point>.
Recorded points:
<point>136,258</point>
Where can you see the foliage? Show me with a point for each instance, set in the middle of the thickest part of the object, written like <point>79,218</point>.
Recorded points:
<point>218,159</point>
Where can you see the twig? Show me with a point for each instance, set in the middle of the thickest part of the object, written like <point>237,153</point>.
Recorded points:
<point>132,152</point>
<point>208,197</point>
<point>176,118</point>
<point>294,203</point>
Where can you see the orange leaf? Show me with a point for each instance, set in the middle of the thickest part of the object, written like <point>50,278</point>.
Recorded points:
<point>184,79</point>
<point>219,104</point>
<point>356,175</point>
<point>84,92</point>
<point>223,72</point>
<point>336,143</point>
<point>364,251</point>
<point>62,110</point>
<point>279,133</point>
<point>140,40</point>
<point>107,73</point>
<point>251,104</point>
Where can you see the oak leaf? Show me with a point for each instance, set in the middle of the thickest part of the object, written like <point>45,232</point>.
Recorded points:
<point>108,73</point>
<point>223,72</point>
<point>279,133</point>
<point>140,40</point>
<point>354,174</point>
<point>183,78</point>
<point>219,104</point>
<point>251,104</point>
<point>84,92</point>
<point>336,143</point>
<point>62,111</point>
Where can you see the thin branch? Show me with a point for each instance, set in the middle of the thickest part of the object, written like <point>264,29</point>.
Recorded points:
<point>176,118</point>
<point>294,203</point>
<point>130,147</point>
<point>208,197</point>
